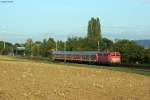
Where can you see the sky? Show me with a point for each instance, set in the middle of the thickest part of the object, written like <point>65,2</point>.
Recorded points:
<point>39,19</point>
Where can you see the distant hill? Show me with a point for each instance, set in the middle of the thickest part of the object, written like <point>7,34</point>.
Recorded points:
<point>145,43</point>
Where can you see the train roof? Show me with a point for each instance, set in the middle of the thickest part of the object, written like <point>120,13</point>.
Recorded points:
<point>77,52</point>
<point>74,52</point>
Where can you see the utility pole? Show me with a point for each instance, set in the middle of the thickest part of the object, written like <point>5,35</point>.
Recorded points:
<point>56,46</point>
<point>16,51</point>
<point>31,53</point>
<point>12,51</point>
<point>4,45</point>
<point>98,45</point>
<point>65,51</point>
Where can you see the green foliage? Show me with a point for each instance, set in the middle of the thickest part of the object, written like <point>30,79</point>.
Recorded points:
<point>147,56</point>
<point>76,44</point>
<point>130,51</point>
<point>36,49</point>
<point>94,33</point>
<point>28,46</point>
<point>47,45</point>
<point>50,44</point>
<point>60,45</point>
<point>5,48</point>
<point>43,47</point>
<point>106,45</point>
<point>94,29</point>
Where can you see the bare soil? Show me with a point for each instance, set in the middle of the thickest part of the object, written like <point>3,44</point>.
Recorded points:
<point>26,80</point>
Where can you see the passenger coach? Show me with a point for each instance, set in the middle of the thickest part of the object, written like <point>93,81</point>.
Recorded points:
<point>87,57</point>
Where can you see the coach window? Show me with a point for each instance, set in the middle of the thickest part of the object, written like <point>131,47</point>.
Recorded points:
<point>105,54</point>
<point>100,54</point>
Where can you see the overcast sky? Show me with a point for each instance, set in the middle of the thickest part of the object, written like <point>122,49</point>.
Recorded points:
<point>39,19</point>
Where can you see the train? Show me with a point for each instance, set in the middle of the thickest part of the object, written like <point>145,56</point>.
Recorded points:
<point>94,57</point>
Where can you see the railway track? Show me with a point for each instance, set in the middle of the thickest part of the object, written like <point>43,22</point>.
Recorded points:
<point>135,66</point>
<point>144,68</point>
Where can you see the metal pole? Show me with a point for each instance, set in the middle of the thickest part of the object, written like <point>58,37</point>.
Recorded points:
<point>16,52</point>
<point>56,46</point>
<point>24,53</point>
<point>31,50</point>
<point>65,51</point>
<point>12,51</point>
<point>4,45</point>
<point>98,46</point>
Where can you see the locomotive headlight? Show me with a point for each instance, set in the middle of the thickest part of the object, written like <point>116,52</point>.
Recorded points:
<point>114,59</point>
<point>117,59</point>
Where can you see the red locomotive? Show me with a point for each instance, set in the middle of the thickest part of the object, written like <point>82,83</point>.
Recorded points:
<point>108,57</point>
<point>87,57</point>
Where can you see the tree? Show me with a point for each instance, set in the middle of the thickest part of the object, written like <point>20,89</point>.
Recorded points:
<point>5,48</point>
<point>50,44</point>
<point>94,33</point>
<point>147,55</point>
<point>43,47</point>
<point>60,45</point>
<point>47,45</point>
<point>106,45</point>
<point>130,51</point>
<point>75,43</point>
<point>28,46</point>
<point>1,47</point>
<point>37,49</point>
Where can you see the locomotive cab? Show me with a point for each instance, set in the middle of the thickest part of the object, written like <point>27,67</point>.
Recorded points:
<point>108,57</point>
<point>115,57</point>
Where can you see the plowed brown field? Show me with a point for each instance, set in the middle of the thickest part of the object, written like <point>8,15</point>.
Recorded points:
<point>26,80</point>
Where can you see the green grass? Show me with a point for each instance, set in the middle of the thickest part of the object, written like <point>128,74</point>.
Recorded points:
<point>131,70</point>
<point>121,69</point>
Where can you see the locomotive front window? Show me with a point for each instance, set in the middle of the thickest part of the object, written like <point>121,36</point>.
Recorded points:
<point>117,54</point>
<point>105,54</point>
<point>113,54</point>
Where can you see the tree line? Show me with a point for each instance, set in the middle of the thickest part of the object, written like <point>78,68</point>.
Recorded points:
<point>130,51</point>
